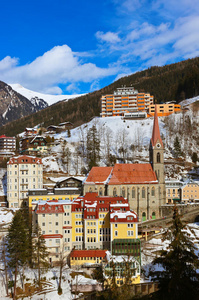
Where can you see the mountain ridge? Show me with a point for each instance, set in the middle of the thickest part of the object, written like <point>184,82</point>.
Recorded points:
<point>177,82</point>
<point>14,105</point>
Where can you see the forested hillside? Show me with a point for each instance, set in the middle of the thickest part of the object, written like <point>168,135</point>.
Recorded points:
<point>172,82</point>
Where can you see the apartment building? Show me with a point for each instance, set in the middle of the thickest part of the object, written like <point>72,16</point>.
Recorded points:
<point>190,192</point>
<point>23,173</point>
<point>173,191</point>
<point>56,194</point>
<point>88,222</point>
<point>7,144</point>
<point>165,109</point>
<point>54,219</point>
<point>123,101</point>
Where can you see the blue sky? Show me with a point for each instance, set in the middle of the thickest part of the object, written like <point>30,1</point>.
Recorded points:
<point>69,47</point>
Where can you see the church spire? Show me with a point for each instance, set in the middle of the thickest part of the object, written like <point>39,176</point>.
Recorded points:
<point>156,131</point>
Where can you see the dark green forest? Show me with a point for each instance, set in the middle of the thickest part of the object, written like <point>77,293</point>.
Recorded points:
<point>177,81</point>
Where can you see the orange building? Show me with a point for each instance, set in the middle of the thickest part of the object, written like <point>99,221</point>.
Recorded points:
<point>125,100</point>
<point>164,109</point>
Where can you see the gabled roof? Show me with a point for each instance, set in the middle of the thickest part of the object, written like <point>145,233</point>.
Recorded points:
<point>156,131</point>
<point>98,175</point>
<point>132,174</point>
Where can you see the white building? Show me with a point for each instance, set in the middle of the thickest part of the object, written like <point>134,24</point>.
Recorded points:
<point>23,173</point>
<point>54,219</point>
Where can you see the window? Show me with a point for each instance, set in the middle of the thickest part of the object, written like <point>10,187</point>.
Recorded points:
<point>153,191</point>
<point>100,192</point>
<point>123,192</point>
<point>114,192</point>
<point>158,157</point>
<point>116,233</point>
<point>143,192</point>
<point>133,192</point>
<point>56,223</point>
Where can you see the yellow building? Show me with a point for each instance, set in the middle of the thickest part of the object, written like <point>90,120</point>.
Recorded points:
<point>83,257</point>
<point>190,192</point>
<point>165,109</point>
<point>122,265</point>
<point>43,195</point>
<point>124,100</point>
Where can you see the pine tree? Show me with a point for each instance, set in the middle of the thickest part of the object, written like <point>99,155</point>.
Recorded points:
<point>177,148</point>
<point>93,147</point>
<point>40,254</point>
<point>17,245</point>
<point>194,157</point>
<point>178,278</point>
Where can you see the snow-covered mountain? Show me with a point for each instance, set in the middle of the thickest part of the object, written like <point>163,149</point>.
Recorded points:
<point>14,106</point>
<point>34,96</point>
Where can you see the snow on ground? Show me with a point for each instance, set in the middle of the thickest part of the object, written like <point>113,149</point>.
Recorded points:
<point>51,282</point>
<point>156,244</point>
<point>135,129</point>
<point>189,101</point>
<point>50,99</point>
<point>6,215</point>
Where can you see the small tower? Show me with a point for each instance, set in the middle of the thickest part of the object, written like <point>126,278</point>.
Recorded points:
<point>156,154</point>
<point>156,151</point>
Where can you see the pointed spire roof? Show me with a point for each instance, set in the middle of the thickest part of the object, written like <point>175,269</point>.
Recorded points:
<point>156,131</point>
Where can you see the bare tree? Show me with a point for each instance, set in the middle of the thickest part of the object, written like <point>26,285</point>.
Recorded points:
<point>4,260</point>
<point>62,263</point>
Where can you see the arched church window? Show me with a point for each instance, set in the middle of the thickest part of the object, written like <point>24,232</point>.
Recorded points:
<point>153,191</point>
<point>123,192</point>
<point>114,192</point>
<point>90,190</point>
<point>143,216</point>
<point>158,157</point>
<point>153,215</point>
<point>133,192</point>
<point>143,192</point>
<point>100,192</point>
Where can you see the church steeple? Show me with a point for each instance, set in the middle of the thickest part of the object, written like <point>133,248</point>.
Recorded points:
<point>156,150</point>
<point>156,131</point>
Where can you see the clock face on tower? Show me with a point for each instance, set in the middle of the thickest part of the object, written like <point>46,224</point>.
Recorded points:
<point>158,145</point>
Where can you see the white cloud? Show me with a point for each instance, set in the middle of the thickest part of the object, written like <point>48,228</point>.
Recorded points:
<point>56,66</point>
<point>7,63</point>
<point>109,37</point>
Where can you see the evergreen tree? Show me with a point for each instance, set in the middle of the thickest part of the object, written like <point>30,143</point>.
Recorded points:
<point>40,254</point>
<point>194,157</point>
<point>93,147</point>
<point>178,278</point>
<point>17,245</point>
<point>177,148</point>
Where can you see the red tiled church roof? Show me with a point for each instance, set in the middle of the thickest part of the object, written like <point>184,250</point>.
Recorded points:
<point>156,131</point>
<point>98,175</point>
<point>132,173</point>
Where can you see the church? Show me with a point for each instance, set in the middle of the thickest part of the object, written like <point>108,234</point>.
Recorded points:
<point>142,184</point>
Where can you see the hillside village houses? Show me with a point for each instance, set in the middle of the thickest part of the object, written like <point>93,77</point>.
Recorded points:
<point>101,212</point>
<point>142,184</point>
